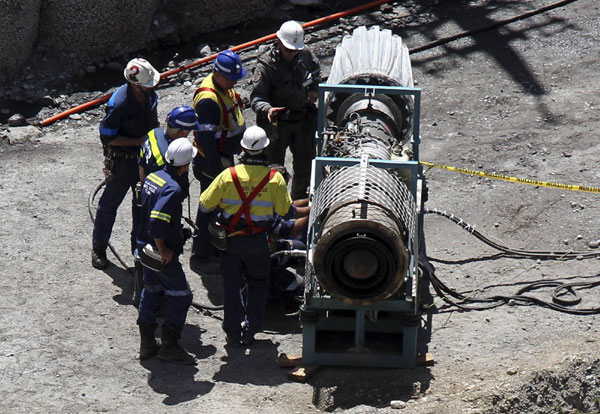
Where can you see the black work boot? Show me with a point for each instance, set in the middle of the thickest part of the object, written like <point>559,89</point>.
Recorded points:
<point>148,345</point>
<point>99,260</point>
<point>170,350</point>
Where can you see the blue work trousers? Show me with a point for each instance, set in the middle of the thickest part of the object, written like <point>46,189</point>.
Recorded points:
<point>125,176</point>
<point>201,244</point>
<point>246,258</point>
<point>169,285</point>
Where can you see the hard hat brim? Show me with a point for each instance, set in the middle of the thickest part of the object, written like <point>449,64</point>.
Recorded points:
<point>255,150</point>
<point>153,82</point>
<point>234,77</point>
<point>287,44</point>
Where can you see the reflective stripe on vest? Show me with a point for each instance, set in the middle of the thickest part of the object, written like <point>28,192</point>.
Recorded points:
<point>230,107</point>
<point>155,150</point>
<point>245,207</point>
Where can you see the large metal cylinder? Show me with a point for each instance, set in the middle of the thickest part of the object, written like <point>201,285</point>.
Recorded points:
<point>366,219</point>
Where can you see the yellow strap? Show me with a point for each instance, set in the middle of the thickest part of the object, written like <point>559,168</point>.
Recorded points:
<point>160,216</point>
<point>155,150</point>
<point>570,187</point>
<point>156,179</point>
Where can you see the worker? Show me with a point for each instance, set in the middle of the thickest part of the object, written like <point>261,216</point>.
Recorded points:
<point>286,285</point>
<point>248,196</point>
<point>285,84</point>
<point>219,108</point>
<point>296,227</point>
<point>180,121</point>
<point>130,113</point>
<point>161,234</point>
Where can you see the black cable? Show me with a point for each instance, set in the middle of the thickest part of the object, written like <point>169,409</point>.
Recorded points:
<point>200,306</point>
<point>559,301</point>
<point>113,250</point>
<point>532,254</point>
<point>90,210</point>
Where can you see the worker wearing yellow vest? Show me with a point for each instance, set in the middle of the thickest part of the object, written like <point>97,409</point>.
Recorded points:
<point>247,198</point>
<point>219,108</point>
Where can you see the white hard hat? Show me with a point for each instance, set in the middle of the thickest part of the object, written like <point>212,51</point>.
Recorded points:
<point>291,34</point>
<point>140,72</point>
<point>255,140</point>
<point>180,152</point>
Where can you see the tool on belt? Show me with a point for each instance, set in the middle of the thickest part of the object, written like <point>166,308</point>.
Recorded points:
<point>151,259</point>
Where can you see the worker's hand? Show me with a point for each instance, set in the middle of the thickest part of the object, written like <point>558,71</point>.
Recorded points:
<point>312,96</point>
<point>245,102</point>
<point>167,255</point>
<point>272,113</point>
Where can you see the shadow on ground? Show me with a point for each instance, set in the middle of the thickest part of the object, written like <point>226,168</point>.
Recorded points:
<point>177,381</point>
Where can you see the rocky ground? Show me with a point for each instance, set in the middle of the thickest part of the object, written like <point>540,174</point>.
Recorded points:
<point>519,100</point>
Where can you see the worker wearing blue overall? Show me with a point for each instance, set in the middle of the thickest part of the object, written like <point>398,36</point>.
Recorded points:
<point>161,231</point>
<point>130,113</point>
<point>180,121</point>
<point>248,197</point>
<point>219,108</point>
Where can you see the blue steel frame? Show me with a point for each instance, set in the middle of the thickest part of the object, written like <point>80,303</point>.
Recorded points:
<point>402,307</point>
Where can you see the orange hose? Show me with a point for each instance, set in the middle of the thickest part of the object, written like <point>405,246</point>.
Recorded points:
<point>254,42</point>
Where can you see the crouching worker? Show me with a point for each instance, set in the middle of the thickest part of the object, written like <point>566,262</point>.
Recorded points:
<point>248,197</point>
<point>160,242</point>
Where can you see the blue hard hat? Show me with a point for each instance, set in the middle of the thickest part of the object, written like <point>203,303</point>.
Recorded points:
<point>183,117</point>
<point>229,64</point>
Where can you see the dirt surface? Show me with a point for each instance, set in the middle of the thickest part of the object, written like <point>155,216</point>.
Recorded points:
<point>520,100</point>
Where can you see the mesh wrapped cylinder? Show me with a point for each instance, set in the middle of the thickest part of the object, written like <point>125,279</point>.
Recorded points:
<point>366,219</point>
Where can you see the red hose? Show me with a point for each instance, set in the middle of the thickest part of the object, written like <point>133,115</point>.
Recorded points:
<point>254,42</point>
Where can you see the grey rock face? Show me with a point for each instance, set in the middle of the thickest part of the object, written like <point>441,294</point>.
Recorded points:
<point>81,33</point>
<point>18,33</point>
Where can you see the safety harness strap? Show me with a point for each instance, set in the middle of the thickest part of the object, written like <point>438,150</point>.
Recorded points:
<point>245,207</point>
<point>224,111</point>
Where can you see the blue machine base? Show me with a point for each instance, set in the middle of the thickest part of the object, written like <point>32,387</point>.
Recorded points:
<point>346,336</point>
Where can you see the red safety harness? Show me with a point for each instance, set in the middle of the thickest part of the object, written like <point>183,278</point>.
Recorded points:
<point>245,208</point>
<point>237,102</point>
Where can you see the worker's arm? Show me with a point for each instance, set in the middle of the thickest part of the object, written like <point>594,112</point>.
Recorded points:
<point>208,161</point>
<point>261,95</point>
<point>122,141</point>
<point>165,252</point>
<point>142,173</point>
<point>302,207</point>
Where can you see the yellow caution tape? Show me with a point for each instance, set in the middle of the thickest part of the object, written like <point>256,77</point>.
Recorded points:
<point>514,179</point>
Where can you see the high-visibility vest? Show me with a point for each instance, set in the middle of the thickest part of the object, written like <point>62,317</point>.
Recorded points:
<point>245,207</point>
<point>230,105</point>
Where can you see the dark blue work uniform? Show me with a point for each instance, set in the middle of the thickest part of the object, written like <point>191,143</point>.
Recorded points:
<point>161,212</point>
<point>152,152</point>
<point>152,156</point>
<point>124,117</point>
